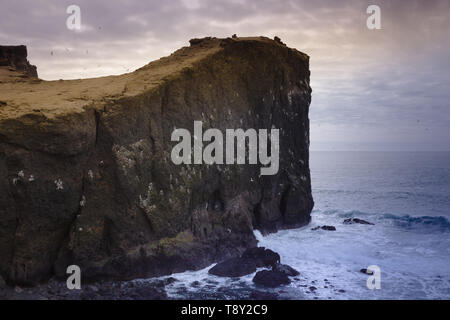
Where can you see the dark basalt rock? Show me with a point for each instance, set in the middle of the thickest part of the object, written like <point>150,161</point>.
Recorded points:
<point>287,270</point>
<point>356,220</point>
<point>271,278</point>
<point>86,176</point>
<point>364,270</point>
<point>16,57</point>
<point>234,267</point>
<point>327,228</point>
<point>251,259</point>
<point>261,256</point>
<point>260,295</point>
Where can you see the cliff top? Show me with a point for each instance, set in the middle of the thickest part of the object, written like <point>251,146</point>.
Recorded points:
<point>22,94</point>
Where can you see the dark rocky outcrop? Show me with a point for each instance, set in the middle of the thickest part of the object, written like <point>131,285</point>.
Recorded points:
<point>287,270</point>
<point>56,290</point>
<point>261,256</point>
<point>251,259</point>
<point>234,267</point>
<point>271,278</point>
<point>16,57</point>
<point>85,170</point>
<point>357,220</point>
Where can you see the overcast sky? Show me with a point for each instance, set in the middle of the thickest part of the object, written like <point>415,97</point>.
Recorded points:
<point>385,89</point>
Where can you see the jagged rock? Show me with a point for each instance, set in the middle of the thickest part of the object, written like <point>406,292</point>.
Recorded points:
<point>195,284</point>
<point>271,278</point>
<point>287,270</point>
<point>261,257</point>
<point>251,259</point>
<point>356,220</point>
<point>327,228</point>
<point>234,267</point>
<point>16,57</point>
<point>86,176</point>
<point>260,295</point>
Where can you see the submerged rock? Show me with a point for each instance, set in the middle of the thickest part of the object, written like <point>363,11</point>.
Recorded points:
<point>271,278</point>
<point>356,220</point>
<point>86,174</point>
<point>261,295</point>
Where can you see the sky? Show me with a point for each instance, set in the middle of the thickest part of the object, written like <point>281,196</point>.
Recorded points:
<point>386,89</point>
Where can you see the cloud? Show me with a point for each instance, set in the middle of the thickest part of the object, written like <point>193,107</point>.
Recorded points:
<point>363,80</point>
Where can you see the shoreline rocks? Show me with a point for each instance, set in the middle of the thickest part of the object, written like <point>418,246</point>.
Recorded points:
<point>261,295</point>
<point>271,278</point>
<point>247,263</point>
<point>110,290</point>
<point>263,257</point>
<point>287,270</point>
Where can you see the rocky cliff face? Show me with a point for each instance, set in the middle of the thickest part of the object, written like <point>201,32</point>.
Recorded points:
<point>86,176</point>
<point>16,57</point>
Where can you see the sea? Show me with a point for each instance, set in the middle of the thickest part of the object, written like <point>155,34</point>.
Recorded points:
<point>406,195</point>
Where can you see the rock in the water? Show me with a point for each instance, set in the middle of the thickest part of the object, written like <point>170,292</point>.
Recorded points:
<point>271,278</point>
<point>364,270</point>
<point>260,295</point>
<point>287,270</point>
<point>86,174</point>
<point>328,228</point>
<point>234,267</point>
<point>356,220</point>
<point>262,257</point>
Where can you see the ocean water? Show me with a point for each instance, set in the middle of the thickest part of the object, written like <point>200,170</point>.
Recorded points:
<point>405,194</point>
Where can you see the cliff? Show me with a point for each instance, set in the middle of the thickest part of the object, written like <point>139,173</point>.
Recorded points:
<point>16,58</point>
<point>86,175</point>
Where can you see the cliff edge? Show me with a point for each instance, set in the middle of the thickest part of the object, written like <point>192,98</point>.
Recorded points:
<point>86,175</point>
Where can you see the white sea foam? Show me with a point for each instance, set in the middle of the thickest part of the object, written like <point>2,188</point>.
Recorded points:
<point>414,264</point>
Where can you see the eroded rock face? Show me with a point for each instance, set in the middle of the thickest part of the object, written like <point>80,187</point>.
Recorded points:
<point>16,57</point>
<point>86,176</point>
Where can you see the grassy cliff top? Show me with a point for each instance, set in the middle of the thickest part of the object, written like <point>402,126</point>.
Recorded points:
<point>21,95</point>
